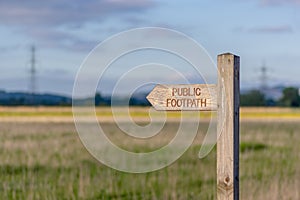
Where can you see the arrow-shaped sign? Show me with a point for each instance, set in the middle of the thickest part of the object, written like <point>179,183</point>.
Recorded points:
<point>184,97</point>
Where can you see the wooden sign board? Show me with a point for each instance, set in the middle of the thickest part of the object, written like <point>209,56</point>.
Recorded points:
<point>201,97</point>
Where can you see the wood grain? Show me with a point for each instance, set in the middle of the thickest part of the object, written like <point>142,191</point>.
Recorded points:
<point>228,141</point>
<point>163,97</point>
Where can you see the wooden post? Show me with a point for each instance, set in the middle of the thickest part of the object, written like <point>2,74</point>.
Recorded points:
<point>228,142</point>
<point>227,103</point>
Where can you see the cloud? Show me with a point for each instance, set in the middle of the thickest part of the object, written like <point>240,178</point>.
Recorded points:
<point>5,48</point>
<point>279,2</point>
<point>41,20</point>
<point>61,12</point>
<point>272,29</point>
<point>279,29</point>
<point>51,38</point>
<point>135,21</point>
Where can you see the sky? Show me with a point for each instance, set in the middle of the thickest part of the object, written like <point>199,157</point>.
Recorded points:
<point>261,32</point>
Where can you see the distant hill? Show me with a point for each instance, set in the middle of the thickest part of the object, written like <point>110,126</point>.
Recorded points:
<point>26,99</point>
<point>137,99</point>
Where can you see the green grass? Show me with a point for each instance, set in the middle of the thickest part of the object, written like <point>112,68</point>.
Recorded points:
<point>251,146</point>
<point>48,161</point>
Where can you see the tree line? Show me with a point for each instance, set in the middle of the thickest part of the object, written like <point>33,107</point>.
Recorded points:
<point>290,98</point>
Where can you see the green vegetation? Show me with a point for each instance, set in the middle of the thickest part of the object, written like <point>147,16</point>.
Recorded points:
<point>290,98</point>
<point>48,161</point>
<point>253,98</point>
<point>250,146</point>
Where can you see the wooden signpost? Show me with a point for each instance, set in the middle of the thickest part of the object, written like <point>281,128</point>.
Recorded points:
<point>223,98</point>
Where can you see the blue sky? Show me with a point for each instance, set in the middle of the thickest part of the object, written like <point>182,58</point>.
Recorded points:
<point>64,32</point>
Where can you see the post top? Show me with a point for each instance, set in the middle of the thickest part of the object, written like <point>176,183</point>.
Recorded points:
<point>227,54</point>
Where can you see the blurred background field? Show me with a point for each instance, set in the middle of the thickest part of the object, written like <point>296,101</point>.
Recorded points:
<point>42,158</point>
<point>140,113</point>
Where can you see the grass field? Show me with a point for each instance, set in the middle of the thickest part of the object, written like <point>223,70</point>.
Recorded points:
<point>42,158</point>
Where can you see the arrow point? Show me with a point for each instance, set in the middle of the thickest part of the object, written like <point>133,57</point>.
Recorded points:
<point>149,99</point>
